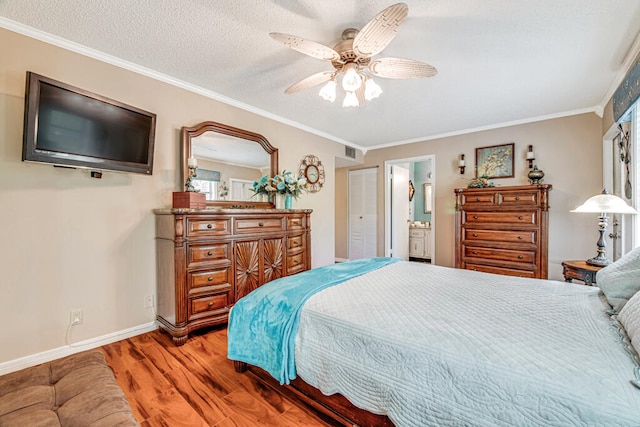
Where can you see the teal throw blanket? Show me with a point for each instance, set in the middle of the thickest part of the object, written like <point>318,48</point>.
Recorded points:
<point>263,324</point>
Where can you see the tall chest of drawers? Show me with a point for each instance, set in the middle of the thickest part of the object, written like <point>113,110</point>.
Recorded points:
<point>209,259</point>
<point>503,230</point>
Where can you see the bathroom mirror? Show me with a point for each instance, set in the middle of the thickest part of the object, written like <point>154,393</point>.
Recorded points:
<point>427,198</point>
<point>231,159</point>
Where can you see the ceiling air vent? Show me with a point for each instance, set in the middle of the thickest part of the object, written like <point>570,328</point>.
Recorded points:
<point>350,152</point>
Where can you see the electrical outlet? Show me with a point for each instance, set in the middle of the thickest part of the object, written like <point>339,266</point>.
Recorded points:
<point>76,317</point>
<point>148,301</point>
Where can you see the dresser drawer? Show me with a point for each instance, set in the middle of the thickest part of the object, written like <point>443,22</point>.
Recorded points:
<point>214,280</point>
<point>500,254</point>
<point>525,236</point>
<point>295,222</point>
<point>521,218</point>
<point>258,225</point>
<point>295,242</point>
<point>519,198</point>
<point>483,199</point>
<point>203,227</point>
<point>209,305</point>
<point>211,254</point>
<point>501,270</point>
<point>295,263</point>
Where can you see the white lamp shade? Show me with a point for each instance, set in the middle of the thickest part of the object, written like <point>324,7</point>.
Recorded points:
<point>328,91</point>
<point>605,203</point>
<point>350,100</point>
<point>351,80</point>
<point>371,90</point>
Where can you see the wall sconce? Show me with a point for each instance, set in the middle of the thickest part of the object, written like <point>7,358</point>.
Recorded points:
<point>530,156</point>
<point>461,164</point>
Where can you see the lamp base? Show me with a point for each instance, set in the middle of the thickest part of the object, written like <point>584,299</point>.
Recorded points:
<point>599,261</point>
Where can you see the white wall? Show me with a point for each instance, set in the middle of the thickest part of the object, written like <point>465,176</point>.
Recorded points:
<point>69,241</point>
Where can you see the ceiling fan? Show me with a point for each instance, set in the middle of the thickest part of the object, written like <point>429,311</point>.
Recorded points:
<point>352,58</point>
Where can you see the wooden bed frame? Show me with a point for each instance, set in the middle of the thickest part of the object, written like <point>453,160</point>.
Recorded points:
<point>334,409</point>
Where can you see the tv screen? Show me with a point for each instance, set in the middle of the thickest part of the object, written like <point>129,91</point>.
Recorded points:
<point>68,126</point>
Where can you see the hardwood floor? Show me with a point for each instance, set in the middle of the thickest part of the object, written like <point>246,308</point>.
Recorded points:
<point>196,385</point>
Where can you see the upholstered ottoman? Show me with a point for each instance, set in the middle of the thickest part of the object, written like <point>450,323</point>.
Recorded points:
<point>78,390</point>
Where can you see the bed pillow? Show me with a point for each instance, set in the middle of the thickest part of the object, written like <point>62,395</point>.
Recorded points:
<point>620,280</point>
<point>629,318</point>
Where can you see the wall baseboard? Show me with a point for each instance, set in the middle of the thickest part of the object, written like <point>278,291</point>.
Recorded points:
<point>342,259</point>
<point>57,353</point>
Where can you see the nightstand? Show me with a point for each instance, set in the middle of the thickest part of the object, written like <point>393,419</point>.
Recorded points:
<point>579,270</point>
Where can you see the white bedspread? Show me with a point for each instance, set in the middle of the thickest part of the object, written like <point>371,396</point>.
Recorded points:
<point>434,346</point>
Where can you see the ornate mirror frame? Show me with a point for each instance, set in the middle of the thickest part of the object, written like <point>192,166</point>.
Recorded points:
<point>188,133</point>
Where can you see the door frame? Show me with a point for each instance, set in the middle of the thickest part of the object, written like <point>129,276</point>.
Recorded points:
<point>387,200</point>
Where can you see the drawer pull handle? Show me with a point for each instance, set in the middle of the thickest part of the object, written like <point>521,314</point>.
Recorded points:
<point>520,257</point>
<point>474,269</point>
<point>209,279</point>
<point>209,253</point>
<point>475,234</point>
<point>261,224</point>
<point>210,304</point>
<point>520,217</point>
<point>519,237</point>
<point>475,252</point>
<point>475,217</point>
<point>296,262</point>
<point>517,197</point>
<point>477,199</point>
<point>209,226</point>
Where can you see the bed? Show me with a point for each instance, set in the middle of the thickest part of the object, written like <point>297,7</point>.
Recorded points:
<point>430,346</point>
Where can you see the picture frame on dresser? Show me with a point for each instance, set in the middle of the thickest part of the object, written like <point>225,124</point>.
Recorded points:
<point>495,161</point>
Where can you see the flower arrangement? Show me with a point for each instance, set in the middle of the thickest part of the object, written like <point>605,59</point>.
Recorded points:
<point>264,186</point>
<point>287,183</point>
<point>480,182</point>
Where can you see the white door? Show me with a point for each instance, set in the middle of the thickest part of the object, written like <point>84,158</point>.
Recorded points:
<point>362,213</point>
<point>400,212</point>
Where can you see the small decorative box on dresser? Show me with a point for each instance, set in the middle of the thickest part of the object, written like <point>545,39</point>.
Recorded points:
<point>503,230</point>
<point>209,259</point>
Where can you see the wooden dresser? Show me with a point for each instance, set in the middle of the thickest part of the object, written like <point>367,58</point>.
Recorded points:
<point>208,259</point>
<point>503,230</point>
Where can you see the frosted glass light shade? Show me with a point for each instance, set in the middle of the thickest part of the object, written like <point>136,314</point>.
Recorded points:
<point>328,91</point>
<point>371,90</point>
<point>605,203</point>
<point>350,100</point>
<point>351,80</point>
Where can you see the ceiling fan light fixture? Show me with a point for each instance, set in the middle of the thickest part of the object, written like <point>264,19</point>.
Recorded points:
<point>328,91</point>
<point>371,89</point>
<point>351,81</point>
<point>350,100</point>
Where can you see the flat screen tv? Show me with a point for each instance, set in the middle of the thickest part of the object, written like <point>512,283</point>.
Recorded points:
<point>71,127</point>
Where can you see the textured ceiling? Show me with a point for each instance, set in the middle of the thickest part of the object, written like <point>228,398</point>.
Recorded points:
<point>499,61</point>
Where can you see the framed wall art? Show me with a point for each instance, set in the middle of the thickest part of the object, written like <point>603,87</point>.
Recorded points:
<point>495,161</point>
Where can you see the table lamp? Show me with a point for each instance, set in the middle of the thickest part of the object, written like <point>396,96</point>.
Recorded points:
<point>603,204</point>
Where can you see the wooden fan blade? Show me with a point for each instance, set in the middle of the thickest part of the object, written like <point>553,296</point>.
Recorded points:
<point>399,68</point>
<point>312,80</point>
<point>379,32</point>
<point>308,47</point>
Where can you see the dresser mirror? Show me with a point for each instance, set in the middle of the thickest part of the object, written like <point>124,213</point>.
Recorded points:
<point>228,161</point>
